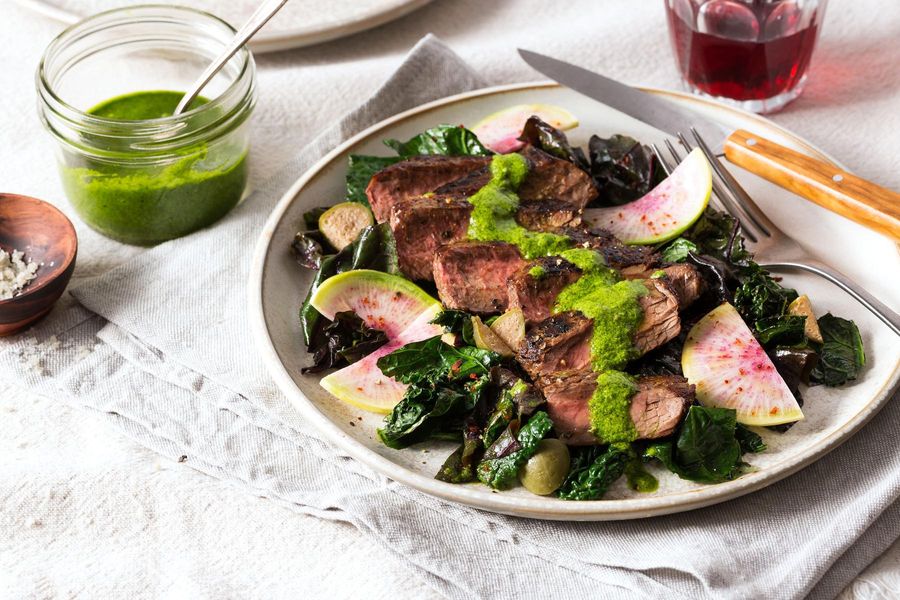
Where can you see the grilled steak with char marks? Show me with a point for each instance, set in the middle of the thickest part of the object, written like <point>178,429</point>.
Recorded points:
<point>617,254</point>
<point>683,278</point>
<point>422,225</point>
<point>557,345</point>
<point>416,176</point>
<point>472,275</point>
<point>657,406</point>
<point>536,295</point>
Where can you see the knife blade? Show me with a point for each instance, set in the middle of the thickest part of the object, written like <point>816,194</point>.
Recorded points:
<point>820,182</point>
<point>658,112</point>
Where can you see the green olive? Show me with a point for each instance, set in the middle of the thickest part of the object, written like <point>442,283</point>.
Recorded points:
<point>547,469</point>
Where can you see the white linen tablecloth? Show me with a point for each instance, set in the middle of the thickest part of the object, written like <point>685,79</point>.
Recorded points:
<point>84,511</point>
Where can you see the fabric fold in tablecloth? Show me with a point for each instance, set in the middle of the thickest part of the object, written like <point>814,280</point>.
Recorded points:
<point>160,347</point>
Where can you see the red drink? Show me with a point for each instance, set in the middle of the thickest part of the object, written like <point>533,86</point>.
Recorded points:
<point>753,51</point>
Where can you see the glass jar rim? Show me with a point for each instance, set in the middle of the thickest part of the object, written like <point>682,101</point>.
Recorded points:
<point>146,128</point>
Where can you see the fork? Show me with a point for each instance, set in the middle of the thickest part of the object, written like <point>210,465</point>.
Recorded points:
<point>774,249</point>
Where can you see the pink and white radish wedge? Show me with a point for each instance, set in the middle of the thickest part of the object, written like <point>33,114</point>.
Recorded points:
<point>500,131</point>
<point>731,370</point>
<point>665,211</point>
<point>392,304</point>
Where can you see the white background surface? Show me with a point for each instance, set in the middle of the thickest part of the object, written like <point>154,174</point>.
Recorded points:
<point>84,511</point>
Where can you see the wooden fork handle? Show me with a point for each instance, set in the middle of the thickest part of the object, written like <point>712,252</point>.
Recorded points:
<point>859,200</point>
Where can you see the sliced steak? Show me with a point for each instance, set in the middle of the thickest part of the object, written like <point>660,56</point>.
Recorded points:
<point>414,177</point>
<point>661,322</point>
<point>422,225</point>
<point>557,345</point>
<point>472,276</point>
<point>561,343</point>
<point>616,253</point>
<point>684,280</point>
<point>547,215</point>
<point>536,294</point>
<point>551,178</point>
<point>468,184</point>
<point>657,406</point>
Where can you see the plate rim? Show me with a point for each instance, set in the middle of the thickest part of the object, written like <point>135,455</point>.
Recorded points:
<point>267,41</point>
<point>619,509</point>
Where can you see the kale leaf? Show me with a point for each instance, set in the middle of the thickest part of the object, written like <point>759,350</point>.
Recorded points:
<point>447,140</point>
<point>718,234</point>
<point>622,168</point>
<point>786,330</point>
<point>841,356</point>
<point>347,339</point>
<point>511,450</point>
<point>763,304</point>
<point>706,449</point>
<point>593,470</point>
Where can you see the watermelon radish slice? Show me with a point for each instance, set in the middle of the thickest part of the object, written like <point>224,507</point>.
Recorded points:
<point>392,304</point>
<point>731,370</point>
<point>666,210</point>
<point>500,131</point>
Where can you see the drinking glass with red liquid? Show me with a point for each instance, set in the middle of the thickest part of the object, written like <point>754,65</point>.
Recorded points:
<point>751,53</point>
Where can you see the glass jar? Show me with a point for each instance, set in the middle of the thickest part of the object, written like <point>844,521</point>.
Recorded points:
<point>749,53</point>
<point>146,181</point>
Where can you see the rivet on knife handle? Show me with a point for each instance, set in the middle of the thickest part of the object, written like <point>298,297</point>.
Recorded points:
<point>859,200</point>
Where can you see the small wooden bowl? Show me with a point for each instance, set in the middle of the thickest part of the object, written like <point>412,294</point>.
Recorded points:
<point>47,237</point>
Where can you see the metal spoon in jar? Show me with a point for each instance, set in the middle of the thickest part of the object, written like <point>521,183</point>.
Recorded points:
<point>259,18</point>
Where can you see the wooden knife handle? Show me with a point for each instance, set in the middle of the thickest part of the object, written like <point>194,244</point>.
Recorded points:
<point>859,200</point>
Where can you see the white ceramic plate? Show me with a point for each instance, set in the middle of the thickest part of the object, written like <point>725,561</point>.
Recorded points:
<point>299,23</point>
<point>277,287</point>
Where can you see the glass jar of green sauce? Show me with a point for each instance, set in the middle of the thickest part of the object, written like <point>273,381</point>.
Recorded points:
<point>107,88</point>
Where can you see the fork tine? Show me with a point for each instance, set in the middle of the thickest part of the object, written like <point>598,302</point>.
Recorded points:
<point>741,196</point>
<point>666,165</point>
<point>728,201</point>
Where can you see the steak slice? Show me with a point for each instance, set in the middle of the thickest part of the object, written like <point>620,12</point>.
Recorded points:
<point>414,177</point>
<point>657,406</point>
<point>617,254</point>
<point>661,322</point>
<point>551,178</point>
<point>422,225</point>
<point>562,342</point>
<point>683,279</point>
<point>472,276</point>
<point>536,294</point>
<point>557,345</point>
<point>547,215</point>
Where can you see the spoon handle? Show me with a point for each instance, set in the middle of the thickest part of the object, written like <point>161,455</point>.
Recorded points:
<point>259,18</point>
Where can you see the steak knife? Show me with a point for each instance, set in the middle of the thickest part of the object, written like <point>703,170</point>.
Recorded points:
<point>855,198</point>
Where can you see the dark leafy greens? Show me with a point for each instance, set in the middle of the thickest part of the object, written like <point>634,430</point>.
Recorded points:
<point>445,384</point>
<point>457,322</point>
<point>373,249</point>
<point>623,168</point>
<point>552,141</point>
<point>360,169</point>
<point>448,140</point>
<point>706,448</point>
<point>842,356</point>
<point>593,470</point>
<point>347,339</point>
<point>511,450</point>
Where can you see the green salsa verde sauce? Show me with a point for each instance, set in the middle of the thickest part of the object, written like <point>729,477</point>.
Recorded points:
<point>146,204</point>
<point>495,205</point>
<point>612,304</point>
